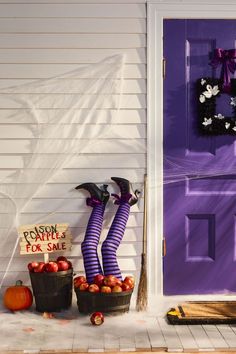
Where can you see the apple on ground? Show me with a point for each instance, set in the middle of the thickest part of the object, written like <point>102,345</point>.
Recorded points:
<point>79,280</point>
<point>94,288</point>
<point>110,280</point>
<point>125,287</point>
<point>32,265</point>
<point>105,289</point>
<point>83,286</point>
<point>98,279</point>
<point>51,267</point>
<point>130,281</point>
<point>40,268</point>
<point>97,318</point>
<point>117,289</point>
<point>62,265</point>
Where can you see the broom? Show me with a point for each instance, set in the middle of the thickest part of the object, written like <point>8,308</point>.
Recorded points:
<point>141,302</point>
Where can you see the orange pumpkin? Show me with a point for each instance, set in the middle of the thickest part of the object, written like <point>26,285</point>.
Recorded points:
<point>18,297</point>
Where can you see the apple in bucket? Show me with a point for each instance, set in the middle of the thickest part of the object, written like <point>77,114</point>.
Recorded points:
<point>83,286</point>
<point>79,280</point>
<point>117,289</point>
<point>129,280</point>
<point>63,265</point>
<point>62,258</point>
<point>110,280</point>
<point>125,287</point>
<point>104,284</point>
<point>32,265</point>
<point>105,289</point>
<point>40,268</point>
<point>51,267</point>
<point>99,279</point>
<point>94,288</point>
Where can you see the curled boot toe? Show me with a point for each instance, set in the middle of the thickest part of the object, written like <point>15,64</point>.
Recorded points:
<point>100,194</point>
<point>126,189</point>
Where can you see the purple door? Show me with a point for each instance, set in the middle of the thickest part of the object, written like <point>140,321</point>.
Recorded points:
<point>199,170</point>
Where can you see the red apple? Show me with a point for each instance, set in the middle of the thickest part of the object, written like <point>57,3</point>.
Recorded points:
<point>97,318</point>
<point>94,288</point>
<point>40,268</point>
<point>110,280</point>
<point>79,280</point>
<point>70,264</point>
<point>51,267</point>
<point>125,287</point>
<point>130,281</point>
<point>32,265</point>
<point>105,289</point>
<point>118,282</point>
<point>117,289</point>
<point>62,265</point>
<point>83,286</point>
<point>61,258</point>
<point>98,279</point>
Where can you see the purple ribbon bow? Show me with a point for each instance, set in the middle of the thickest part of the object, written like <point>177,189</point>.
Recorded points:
<point>123,198</point>
<point>93,202</point>
<point>226,58</point>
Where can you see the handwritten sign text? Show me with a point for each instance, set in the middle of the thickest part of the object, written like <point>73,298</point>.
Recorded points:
<point>44,238</point>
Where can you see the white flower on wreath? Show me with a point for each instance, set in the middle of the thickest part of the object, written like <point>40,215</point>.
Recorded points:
<point>227,125</point>
<point>219,116</point>
<point>203,81</point>
<point>210,91</point>
<point>234,128</point>
<point>207,121</point>
<point>202,98</point>
<point>233,101</point>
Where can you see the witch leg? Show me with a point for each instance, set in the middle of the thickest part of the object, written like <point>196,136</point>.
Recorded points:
<point>117,229</point>
<point>89,245</point>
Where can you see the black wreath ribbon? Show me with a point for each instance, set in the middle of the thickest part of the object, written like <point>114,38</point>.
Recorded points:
<point>211,122</point>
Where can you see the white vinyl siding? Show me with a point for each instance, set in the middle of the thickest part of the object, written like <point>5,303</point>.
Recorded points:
<point>45,38</point>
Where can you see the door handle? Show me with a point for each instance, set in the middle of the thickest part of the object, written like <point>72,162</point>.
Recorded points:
<point>163,247</point>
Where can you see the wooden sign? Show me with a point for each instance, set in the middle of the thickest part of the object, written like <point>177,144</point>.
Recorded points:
<point>44,238</point>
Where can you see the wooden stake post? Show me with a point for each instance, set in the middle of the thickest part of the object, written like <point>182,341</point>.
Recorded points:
<point>44,239</point>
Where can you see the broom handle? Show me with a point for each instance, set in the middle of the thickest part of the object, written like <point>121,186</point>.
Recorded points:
<point>145,216</point>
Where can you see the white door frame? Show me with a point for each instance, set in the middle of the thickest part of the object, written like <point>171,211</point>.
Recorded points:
<point>157,11</point>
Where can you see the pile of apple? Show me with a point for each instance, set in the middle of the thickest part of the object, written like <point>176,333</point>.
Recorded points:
<point>104,284</point>
<point>60,264</point>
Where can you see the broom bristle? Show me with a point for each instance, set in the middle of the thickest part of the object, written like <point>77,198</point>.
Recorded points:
<point>141,303</point>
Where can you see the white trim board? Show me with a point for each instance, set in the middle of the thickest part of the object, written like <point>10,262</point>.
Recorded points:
<point>157,11</point>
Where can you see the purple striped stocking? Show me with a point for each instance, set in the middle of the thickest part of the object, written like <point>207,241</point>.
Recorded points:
<point>114,237</point>
<point>92,235</point>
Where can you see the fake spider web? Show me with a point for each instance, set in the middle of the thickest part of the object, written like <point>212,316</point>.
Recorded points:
<point>66,116</point>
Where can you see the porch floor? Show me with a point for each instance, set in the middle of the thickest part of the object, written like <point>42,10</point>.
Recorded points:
<point>69,331</point>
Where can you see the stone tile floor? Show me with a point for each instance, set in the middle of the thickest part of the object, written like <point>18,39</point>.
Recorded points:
<point>69,331</point>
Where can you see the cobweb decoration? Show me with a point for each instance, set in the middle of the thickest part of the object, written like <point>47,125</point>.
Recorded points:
<point>60,113</point>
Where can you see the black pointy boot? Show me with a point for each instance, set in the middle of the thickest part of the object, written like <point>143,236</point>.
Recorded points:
<point>100,194</point>
<point>126,189</point>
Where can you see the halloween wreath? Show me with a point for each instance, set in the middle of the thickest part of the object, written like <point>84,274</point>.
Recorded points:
<point>212,122</point>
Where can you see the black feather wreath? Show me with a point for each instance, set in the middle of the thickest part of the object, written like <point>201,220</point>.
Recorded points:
<point>212,122</point>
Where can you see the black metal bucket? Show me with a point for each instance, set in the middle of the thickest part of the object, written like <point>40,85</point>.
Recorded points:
<point>52,291</point>
<point>113,303</point>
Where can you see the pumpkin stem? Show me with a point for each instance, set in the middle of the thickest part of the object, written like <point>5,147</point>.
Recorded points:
<point>19,283</point>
